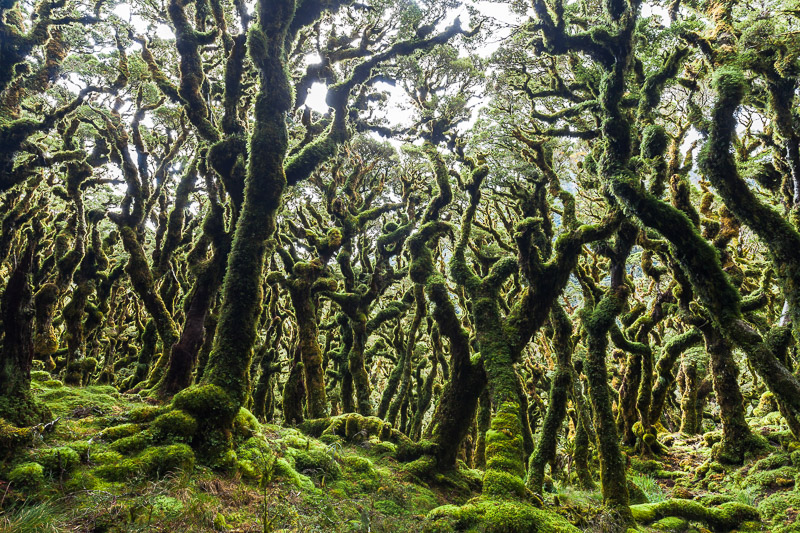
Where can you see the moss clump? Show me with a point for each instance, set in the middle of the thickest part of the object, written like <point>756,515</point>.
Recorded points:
<point>766,405</point>
<point>380,447</point>
<point>314,462</point>
<point>780,511</point>
<point>13,437</point>
<point>27,476</point>
<point>162,459</point>
<point>505,466</point>
<point>63,401</point>
<point>24,410</point>
<point>496,516</point>
<point>358,464</point>
<point>40,375</point>
<point>245,424</point>
<point>283,469</point>
<point>82,448</point>
<point>723,518</point>
<point>130,445</point>
<point>175,425</point>
<point>673,524</point>
<point>106,457</point>
<point>121,470</point>
<point>215,412</point>
<point>207,402</point>
<point>114,433</point>
<point>58,460</point>
<point>153,462</point>
<point>144,413</point>
<point>82,481</point>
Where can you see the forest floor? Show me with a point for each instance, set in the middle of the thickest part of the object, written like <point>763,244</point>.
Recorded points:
<point>74,477</point>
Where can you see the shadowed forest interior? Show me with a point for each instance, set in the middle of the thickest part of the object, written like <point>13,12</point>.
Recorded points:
<point>522,266</point>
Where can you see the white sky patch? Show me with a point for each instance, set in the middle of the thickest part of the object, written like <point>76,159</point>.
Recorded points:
<point>313,59</point>
<point>316,98</point>
<point>163,31</point>
<point>649,10</point>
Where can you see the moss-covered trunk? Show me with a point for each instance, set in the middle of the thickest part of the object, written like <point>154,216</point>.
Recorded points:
<point>737,437</point>
<point>16,355</point>
<point>557,406</point>
<point>665,374</point>
<point>184,353</point>
<point>228,364</point>
<point>310,351</point>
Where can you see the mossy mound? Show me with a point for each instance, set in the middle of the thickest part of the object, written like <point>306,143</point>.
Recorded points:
<point>58,460</point>
<point>114,433</point>
<point>63,401</point>
<point>782,511</point>
<point>24,410</point>
<point>154,462</point>
<point>13,437</point>
<point>496,516</point>
<point>175,425</point>
<point>726,517</point>
<point>27,476</point>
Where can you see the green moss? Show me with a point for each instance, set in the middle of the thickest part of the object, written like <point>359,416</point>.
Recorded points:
<point>162,459</point>
<point>388,507</point>
<point>314,462</point>
<point>40,375</point>
<point>776,478</point>
<point>82,481</point>
<point>220,524</point>
<point>122,470</point>
<point>245,424</point>
<point>358,464</point>
<point>114,433</point>
<point>82,448</point>
<point>284,470</point>
<point>496,516</point>
<point>174,425</point>
<point>13,437</point>
<point>780,511</point>
<point>106,457</point>
<point>504,461</point>
<point>725,517</point>
<point>766,404</point>
<point>503,484</point>
<point>63,401</point>
<point>144,413</point>
<point>153,462</point>
<point>673,524</point>
<point>381,447</point>
<point>248,469</point>
<point>206,401</point>
<point>27,476</point>
<point>133,444</point>
<point>58,460</point>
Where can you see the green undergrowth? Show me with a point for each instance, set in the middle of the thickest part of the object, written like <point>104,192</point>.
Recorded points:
<point>119,463</point>
<point>115,463</point>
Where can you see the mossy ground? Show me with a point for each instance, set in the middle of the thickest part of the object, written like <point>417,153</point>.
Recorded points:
<point>117,463</point>
<point>92,473</point>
